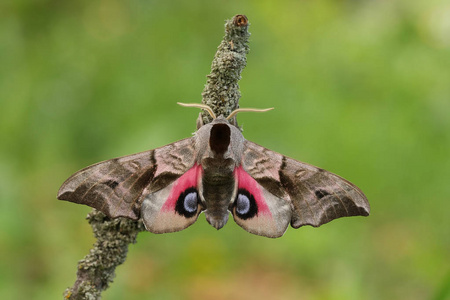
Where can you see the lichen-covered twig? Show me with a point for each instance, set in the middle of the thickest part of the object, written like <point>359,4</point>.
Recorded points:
<point>96,270</point>
<point>221,93</point>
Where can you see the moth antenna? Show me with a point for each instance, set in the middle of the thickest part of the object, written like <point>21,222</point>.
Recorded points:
<point>234,112</point>
<point>198,105</point>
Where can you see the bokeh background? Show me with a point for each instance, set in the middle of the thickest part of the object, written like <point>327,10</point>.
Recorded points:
<point>361,88</point>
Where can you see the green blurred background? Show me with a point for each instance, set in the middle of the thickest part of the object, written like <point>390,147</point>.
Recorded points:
<point>361,88</point>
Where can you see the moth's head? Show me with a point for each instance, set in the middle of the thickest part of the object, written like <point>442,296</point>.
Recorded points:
<point>220,138</point>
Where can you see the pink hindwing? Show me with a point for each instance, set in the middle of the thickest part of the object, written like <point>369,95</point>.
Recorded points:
<point>174,207</point>
<point>187,181</point>
<point>247,183</point>
<point>258,211</point>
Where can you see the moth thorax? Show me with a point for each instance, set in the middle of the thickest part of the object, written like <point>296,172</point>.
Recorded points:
<point>219,139</point>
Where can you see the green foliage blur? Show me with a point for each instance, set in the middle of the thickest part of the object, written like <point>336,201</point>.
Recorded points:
<point>361,88</point>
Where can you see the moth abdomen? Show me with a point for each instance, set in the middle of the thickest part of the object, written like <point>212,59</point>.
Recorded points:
<point>218,188</point>
<point>217,220</point>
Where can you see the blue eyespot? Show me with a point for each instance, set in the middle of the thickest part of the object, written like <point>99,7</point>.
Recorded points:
<point>245,205</point>
<point>242,204</point>
<point>190,202</point>
<point>187,203</point>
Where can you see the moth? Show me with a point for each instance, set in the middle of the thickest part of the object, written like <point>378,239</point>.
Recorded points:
<point>216,171</point>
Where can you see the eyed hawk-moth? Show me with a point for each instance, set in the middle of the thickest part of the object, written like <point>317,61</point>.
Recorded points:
<point>216,171</point>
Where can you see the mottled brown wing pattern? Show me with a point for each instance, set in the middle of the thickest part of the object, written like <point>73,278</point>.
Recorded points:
<point>316,196</point>
<point>117,186</point>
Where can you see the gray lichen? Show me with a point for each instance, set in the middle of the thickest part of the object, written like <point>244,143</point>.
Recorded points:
<point>96,270</point>
<point>221,91</point>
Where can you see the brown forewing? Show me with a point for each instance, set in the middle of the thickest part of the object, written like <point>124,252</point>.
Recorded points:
<point>316,196</point>
<point>115,186</point>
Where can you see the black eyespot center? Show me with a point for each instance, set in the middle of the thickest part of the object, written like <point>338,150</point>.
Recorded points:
<point>320,193</point>
<point>187,203</point>
<point>245,205</point>
<point>111,183</point>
